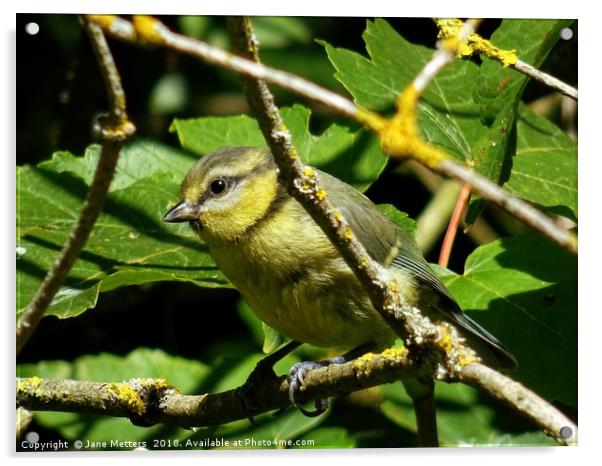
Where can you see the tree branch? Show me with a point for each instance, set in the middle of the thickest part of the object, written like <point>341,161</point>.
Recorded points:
<point>114,130</point>
<point>151,401</point>
<point>523,400</point>
<point>146,30</point>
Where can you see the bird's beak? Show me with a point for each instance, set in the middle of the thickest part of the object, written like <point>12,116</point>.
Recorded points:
<point>181,212</point>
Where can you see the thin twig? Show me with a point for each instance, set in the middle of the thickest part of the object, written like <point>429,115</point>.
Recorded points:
<point>434,218</point>
<point>152,31</point>
<point>546,79</point>
<point>523,400</point>
<point>442,57</point>
<point>422,393</point>
<point>114,131</point>
<point>452,228</point>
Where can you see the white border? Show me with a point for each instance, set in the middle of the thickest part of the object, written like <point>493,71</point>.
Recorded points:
<point>589,195</point>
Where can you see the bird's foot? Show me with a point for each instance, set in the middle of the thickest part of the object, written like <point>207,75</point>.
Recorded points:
<point>295,381</point>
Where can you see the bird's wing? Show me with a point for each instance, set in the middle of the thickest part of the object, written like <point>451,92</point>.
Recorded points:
<point>380,236</point>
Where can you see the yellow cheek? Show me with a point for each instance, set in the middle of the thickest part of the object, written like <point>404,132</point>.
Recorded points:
<point>232,221</point>
<point>225,224</point>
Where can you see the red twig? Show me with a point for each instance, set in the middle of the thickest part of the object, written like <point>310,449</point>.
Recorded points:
<point>452,228</point>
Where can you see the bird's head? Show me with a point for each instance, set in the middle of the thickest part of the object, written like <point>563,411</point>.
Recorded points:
<point>227,192</point>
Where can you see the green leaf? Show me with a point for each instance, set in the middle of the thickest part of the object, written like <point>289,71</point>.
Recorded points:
<point>186,375</point>
<point>492,155</point>
<point>498,93</point>
<point>354,157</point>
<point>544,169</point>
<point>195,26</point>
<point>138,159</point>
<point>464,418</point>
<point>273,339</point>
<point>532,40</point>
<point>129,244</point>
<point>524,291</point>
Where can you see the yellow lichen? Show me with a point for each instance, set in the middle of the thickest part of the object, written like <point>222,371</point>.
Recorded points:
<point>321,194</point>
<point>401,136</point>
<point>308,171</point>
<point>159,383</point>
<point>29,384</point>
<point>467,359</point>
<point>505,57</point>
<point>448,27</point>
<point>370,119</point>
<point>393,286</point>
<point>146,28</point>
<point>448,33</point>
<point>348,233</point>
<point>362,363</point>
<point>129,396</point>
<point>104,21</point>
<point>394,353</point>
<point>446,342</point>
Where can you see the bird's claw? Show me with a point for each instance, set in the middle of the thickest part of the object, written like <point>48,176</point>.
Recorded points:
<point>295,382</point>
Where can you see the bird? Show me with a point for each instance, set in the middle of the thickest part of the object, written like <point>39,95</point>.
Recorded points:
<point>292,276</point>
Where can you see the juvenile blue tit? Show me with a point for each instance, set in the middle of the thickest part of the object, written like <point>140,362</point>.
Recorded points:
<point>288,271</point>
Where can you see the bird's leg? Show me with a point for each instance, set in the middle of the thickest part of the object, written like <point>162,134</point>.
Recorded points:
<point>300,369</point>
<point>263,370</point>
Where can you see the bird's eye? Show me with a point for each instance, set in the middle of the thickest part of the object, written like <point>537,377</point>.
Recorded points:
<point>218,186</point>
